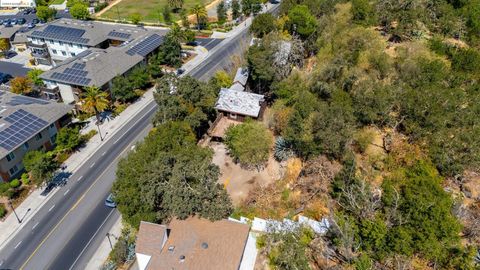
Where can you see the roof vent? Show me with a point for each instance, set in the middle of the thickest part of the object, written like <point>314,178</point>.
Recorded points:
<point>182,258</point>
<point>204,245</point>
<point>171,248</point>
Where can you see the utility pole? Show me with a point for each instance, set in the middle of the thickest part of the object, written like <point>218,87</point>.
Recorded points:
<point>109,241</point>
<point>99,132</point>
<point>13,209</point>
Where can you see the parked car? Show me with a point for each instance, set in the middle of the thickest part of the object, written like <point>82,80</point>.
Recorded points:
<point>7,24</point>
<point>7,21</point>
<point>180,71</point>
<point>193,43</point>
<point>9,54</point>
<point>30,25</point>
<point>35,21</point>
<point>1,21</point>
<point>4,78</point>
<point>21,21</point>
<point>26,11</point>
<point>110,201</point>
<point>14,21</point>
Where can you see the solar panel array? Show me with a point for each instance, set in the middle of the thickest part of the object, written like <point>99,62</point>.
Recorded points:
<point>76,80</point>
<point>62,33</point>
<point>23,125</point>
<point>79,65</point>
<point>119,35</point>
<point>75,72</point>
<point>146,46</point>
<point>22,100</point>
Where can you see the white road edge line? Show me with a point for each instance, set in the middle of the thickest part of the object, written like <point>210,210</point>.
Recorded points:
<point>17,245</point>
<point>66,192</point>
<point>51,208</point>
<point>80,178</point>
<point>116,141</point>
<point>34,226</point>
<point>93,164</point>
<point>89,241</point>
<point>103,153</point>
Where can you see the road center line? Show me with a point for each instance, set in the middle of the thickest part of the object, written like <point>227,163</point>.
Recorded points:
<point>17,245</point>
<point>103,153</point>
<point>51,208</point>
<point>66,192</point>
<point>34,226</point>
<point>116,141</point>
<point>92,165</point>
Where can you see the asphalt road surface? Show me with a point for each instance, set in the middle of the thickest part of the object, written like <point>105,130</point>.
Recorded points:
<point>68,229</point>
<point>31,16</point>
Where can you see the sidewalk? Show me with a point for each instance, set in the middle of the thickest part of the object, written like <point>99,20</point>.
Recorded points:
<point>104,249</point>
<point>27,209</point>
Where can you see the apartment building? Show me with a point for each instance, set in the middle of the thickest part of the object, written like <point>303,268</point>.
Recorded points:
<point>26,124</point>
<point>89,53</point>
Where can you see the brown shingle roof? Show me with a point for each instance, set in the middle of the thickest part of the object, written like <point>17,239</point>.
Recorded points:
<point>202,243</point>
<point>150,238</point>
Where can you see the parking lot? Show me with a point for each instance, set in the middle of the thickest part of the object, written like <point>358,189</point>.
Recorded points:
<point>31,16</point>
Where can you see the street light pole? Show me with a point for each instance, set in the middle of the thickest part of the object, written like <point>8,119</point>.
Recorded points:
<point>13,209</point>
<point>99,132</point>
<point>109,241</point>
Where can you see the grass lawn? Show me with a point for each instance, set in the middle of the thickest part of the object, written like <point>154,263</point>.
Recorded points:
<point>56,2</point>
<point>151,10</point>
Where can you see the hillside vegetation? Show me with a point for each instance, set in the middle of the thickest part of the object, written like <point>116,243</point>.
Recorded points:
<point>387,90</point>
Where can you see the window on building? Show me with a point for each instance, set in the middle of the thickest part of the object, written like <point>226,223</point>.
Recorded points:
<point>79,46</point>
<point>51,41</point>
<point>26,146</point>
<point>53,139</point>
<point>70,44</point>
<point>54,51</point>
<point>13,170</point>
<point>60,43</point>
<point>64,53</point>
<point>72,54</point>
<point>10,156</point>
<point>38,136</point>
<point>52,125</point>
<point>233,116</point>
<point>42,40</point>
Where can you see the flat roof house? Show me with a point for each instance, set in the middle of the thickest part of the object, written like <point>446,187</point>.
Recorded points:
<point>26,124</point>
<point>193,244</point>
<point>238,105</point>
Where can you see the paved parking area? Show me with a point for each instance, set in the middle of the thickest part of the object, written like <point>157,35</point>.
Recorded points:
<point>31,16</point>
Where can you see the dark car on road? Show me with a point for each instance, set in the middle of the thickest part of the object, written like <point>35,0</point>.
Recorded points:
<point>21,21</point>
<point>4,77</point>
<point>110,201</point>
<point>35,21</point>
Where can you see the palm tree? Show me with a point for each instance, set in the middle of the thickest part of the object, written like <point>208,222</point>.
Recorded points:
<point>95,101</point>
<point>176,5</point>
<point>200,12</point>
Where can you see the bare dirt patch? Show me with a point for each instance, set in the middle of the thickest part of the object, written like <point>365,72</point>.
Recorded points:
<point>239,181</point>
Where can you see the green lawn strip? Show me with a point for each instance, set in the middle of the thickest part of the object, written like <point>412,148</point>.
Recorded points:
<point>151,10</point>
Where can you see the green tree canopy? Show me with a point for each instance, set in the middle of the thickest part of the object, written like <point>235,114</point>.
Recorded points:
<point>249,143</point>
<point>40,165</point>
<point>34,76</point>
<point>301,21</point>
<point>68,139</point>
<point>46,13</point>
<point>80,11</point>
<point>263,24</point>
<point>174,176</point>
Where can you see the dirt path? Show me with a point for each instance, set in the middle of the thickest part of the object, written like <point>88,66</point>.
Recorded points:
<point>107,8</point>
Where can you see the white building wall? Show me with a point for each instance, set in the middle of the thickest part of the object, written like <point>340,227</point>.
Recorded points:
<point>142,260</point>
<point>66,92</point>
<point>59,50</point>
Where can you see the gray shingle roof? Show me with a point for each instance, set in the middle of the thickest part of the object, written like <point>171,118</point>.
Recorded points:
<point>89,33</point>
<point>47,111</point>
<point>238,102</point>
<point>102,65</point>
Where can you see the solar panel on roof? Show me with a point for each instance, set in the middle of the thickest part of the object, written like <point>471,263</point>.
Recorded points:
<point>21,100</point>
<point>119,34</point>
<point>62,33</point>
<point>22,126</point>
<point>146,46</point>
<point>79,65</point>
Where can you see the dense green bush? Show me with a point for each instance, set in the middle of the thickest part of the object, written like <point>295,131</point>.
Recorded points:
<point>3,210</point>
<point>15,183</point>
